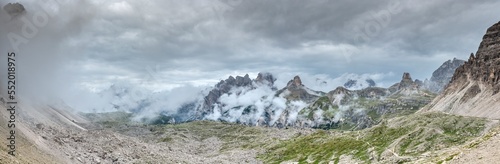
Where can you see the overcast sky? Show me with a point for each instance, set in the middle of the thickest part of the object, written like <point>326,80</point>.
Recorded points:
<point>165,44</point>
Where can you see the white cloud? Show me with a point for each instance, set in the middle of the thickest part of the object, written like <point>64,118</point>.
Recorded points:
<point>122,7</point>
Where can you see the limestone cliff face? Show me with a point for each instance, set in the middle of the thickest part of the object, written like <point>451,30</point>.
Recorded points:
<point>473,89</point>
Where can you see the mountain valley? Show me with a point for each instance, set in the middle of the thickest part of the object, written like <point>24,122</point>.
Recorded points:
<point>451,117</point>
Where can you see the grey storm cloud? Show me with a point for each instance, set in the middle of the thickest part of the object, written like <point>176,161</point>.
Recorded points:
<point>201,42</point>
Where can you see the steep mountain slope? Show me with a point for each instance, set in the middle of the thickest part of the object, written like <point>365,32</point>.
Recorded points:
<point>30,122</point>
<point>442,76</point>
<point>473,90</point>
<point>26,150</point>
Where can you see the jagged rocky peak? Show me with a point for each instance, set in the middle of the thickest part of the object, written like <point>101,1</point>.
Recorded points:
<point>295,90</point>
<point>406,77</point>
<point>238,81</point>
<point>484,67</point>
<point>471,57</point>
<point>473,89</point>
<point>223,87</point>
<point>295,82</point>
<point>265,78</point>
<point>406,86</point>
<point>406,81</point>
<point>242,81</point>
<point>446,70</point>
<point>442,76</point>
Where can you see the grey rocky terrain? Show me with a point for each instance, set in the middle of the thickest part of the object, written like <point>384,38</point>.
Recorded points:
<point>442,76</point>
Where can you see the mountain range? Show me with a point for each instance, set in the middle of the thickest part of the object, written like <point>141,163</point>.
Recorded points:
<point>258,102</point>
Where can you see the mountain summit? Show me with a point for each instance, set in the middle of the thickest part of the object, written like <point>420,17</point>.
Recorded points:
<point>442,76</point>
<point>295,90</point>
<point>407,86</point>
<point>474,87</point>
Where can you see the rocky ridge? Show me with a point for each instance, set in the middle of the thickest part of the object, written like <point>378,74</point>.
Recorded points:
<point>442,76</point>
<point>474,87</point>
<point>223,87</point>
<point>296,105</point>
<point>295,90</point>
<point>358,109</point>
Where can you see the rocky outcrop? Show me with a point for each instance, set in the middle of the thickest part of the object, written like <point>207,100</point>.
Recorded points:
<point>484,67</point>
<point>295,82</point>
<point>265,78</point>
<point>225,86</point>
<point>473,89</point>
<point>442,76</point>
<point>406,86</point>
<point>295,90</point>
<point>406,82</point>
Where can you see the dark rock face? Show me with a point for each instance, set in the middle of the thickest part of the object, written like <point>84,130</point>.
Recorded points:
<point>295,82</point>
<point>243,81</point>
<point>406,84</point>
<point>406,81</point>
<point>265,78</point>
<point>223,87</point>
<point>473,89</point>
<point>370,82</point>
<point>484,67</point>
<point>442,76</point>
